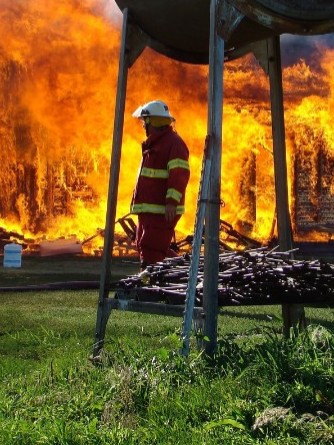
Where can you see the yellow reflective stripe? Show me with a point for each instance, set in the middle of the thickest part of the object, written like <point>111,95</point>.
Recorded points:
<point>153,208</point>
<point>179,210</point>
<point>150,208</point>
<point>178,163</point>
<point>175,194</point>
<point>154,173</point>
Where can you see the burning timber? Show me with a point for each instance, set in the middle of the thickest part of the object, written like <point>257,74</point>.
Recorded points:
<point>252,277</point>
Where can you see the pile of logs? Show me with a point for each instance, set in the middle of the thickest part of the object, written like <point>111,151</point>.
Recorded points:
<point>258,276</point>
<point>7,237</point>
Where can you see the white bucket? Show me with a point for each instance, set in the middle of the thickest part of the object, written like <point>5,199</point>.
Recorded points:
<point>12,255</point>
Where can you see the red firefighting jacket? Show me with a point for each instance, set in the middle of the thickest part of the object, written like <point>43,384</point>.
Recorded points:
<point>163,175</point>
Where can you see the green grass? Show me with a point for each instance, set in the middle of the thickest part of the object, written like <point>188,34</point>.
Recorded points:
<point>260,388</point>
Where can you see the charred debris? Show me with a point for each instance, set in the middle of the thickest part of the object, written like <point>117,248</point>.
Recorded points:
<point>259,276</point>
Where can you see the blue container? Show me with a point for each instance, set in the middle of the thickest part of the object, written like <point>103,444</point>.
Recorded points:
<point>12,255</point>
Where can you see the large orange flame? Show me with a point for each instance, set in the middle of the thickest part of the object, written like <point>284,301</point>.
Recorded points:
<point>58,75</point>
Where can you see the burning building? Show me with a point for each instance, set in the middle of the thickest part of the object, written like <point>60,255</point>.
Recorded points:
<point>58,69</point>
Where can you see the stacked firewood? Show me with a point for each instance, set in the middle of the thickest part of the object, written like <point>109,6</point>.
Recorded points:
<point>252,277</point>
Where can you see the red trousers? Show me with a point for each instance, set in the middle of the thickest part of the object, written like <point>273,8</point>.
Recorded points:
<point>153,238</point>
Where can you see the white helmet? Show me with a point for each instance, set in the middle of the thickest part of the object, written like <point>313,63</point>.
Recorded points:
<point>153,108</point>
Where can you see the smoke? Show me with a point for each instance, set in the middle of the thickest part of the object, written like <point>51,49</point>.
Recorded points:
<point>112,12</point>
<point>307,48</point>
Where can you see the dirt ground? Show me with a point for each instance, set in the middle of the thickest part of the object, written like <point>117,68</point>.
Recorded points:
<point>62,268</point>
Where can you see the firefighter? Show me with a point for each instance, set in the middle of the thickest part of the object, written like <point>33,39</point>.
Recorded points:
<point>158,198</point>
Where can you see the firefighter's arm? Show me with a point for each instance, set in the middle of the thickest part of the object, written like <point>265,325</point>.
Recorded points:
<point>178,177</point>
<point>177,181</point>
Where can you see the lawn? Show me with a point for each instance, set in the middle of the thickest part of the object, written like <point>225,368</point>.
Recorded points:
<point>260,388</point>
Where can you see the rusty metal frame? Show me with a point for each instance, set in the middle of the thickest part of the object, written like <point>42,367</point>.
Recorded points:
<point>134,40</point>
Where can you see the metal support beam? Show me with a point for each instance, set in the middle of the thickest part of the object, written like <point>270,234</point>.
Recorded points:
<point>229,18</point>
<point>126,58</point>
<point>279,149</point>
<point>293,315</point>
<point>196,248</point>
<point>149,307</point>
<point>212,217</point>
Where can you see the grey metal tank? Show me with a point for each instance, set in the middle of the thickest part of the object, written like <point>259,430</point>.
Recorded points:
<point>180,28</point>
